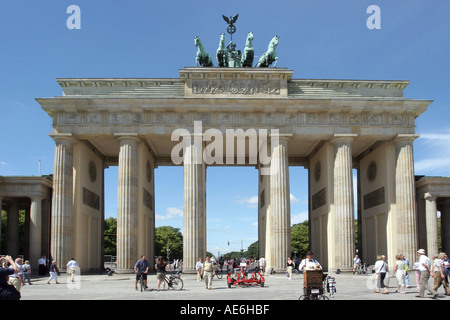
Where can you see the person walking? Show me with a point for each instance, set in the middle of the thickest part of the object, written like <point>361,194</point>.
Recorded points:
<point>380,270</point>
<point>161,273</point>
<point>198,268</point>
<point>26,272</point>
<point>425,269</point>
<point>438,273</point>
<point>407,266</point>
<point>72,269</point>
<point>208,272</point>
<point>290,267</point>
<point>400,273</point>
<point>417,273</point>
<point>53,272</point>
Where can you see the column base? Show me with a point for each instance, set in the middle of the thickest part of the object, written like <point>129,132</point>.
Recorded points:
<point>189,271</point>
<point>124,271</point>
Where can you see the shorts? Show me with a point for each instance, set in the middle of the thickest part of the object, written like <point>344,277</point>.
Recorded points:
<point>138,275</point>
<point>160,276</point>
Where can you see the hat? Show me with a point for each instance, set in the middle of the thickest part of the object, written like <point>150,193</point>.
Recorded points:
<point>421,251</point>
<point>309,253</point>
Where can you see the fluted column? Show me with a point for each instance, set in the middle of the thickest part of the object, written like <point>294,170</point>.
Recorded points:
<point>127,197</point>
<point>35,231</point>
<point>405,196</point>
<point>12,233</point>
<point>62,234</point>
<point>431,224</point>
<point>343,203</point>
<point>194,205</point>
<point>278,227</point>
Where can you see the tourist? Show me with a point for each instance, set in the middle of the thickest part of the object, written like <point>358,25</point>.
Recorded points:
<point>380,270</point>
<point>198,268</point>
<point>407,266</point>
<point>72,268</point>
<point>262,264</point>
<point>417,272</point>
<point>446,263</point>
<point>356,263</point>
<point>53,272</point>
<point>400,273</point>
<point>7,291</point>
<point>141,267</point>
<point>16,279</point>
<point>208,272</point>
<point>290,268</point>
<point>161,273</point>
<point>438,272</point>
<point>26,272</point>
<point>309,263</point>
<point>42,262</point>
<point>425,269</point>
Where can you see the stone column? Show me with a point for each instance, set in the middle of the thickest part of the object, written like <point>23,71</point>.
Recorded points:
<point>35,231</point>
<point>405,196</point>
<point>12,233</point>
<point>445,225</point>
<point>194,205</point>
<point>343,203</point>
<point>127,197</point>
<point>431,224</point>
<point>278,227</point>
<point>0,227</point>
<point>62,234</point>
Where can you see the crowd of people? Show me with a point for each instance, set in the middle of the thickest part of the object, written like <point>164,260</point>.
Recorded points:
<point>438,268</point>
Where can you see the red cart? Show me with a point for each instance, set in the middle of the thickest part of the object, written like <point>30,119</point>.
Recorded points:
<point>245,277</point>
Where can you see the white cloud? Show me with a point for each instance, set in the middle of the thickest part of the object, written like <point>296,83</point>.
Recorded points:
<point>3,163</point>
<point>293,199</point>
<point>251,202</point>
<point>432,153</point>
<point>299,217</point>
<point>171,213</point>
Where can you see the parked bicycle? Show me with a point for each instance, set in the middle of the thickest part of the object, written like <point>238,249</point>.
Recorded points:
<point>362,269</point>
<point>174,280</point>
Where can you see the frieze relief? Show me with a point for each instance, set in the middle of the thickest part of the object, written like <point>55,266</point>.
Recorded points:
<point>233,118</point>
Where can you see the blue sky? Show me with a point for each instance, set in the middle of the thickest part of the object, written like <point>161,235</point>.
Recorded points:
<point>142,38</point>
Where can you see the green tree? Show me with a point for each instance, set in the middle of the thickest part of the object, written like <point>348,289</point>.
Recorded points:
<point>168,237</point>
<point>253,251</point>
<point>110,236</point>
<point>299,238</point>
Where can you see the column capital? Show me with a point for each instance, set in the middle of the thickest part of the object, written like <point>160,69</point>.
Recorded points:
<point>63,137</point>
<point>343,137</point>
<point>405,137</point>
<point>127,136</point>
<point>428,196</point>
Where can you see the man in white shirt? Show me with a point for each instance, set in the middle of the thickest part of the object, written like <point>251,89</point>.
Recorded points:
<point>309,263</point>
<point>72,268</point>
<point>424,268</point>
<point>262,264</point>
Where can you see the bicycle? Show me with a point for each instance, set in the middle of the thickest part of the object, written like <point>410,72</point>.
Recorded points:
<point>174,281</point>
<point>218,272</point>
<point>141,281</point>
<point>362,269</point>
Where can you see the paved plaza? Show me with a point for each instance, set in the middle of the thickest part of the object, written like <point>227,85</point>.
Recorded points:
<point>277,287</point>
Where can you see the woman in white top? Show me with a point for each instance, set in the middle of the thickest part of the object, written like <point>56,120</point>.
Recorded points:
<point>380,270</point>
<point>400,273</point>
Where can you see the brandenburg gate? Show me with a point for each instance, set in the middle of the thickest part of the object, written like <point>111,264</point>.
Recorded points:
<point>328,126</point>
